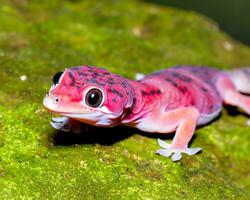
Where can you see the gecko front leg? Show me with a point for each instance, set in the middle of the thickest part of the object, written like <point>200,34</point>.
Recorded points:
<point>184,121</point>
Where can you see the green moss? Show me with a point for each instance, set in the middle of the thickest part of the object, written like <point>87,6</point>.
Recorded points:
<point>38,38</point>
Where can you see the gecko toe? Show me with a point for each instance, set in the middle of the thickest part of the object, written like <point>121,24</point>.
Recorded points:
<point>167,150</point>
<point>163,144</point>
<point>176,156</point>
<point>164,152</point>
<point>192,151</point>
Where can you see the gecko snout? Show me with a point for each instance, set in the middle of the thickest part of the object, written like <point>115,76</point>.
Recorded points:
<point>51,102</point>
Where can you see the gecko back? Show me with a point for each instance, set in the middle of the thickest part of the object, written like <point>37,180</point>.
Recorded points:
<point>189,86</point>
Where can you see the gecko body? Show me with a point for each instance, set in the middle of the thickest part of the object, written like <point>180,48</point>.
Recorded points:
<point>174,99</point>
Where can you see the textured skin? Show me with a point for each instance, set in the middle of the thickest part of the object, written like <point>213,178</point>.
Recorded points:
<point>77,79</point>
<point>175,99</point>
<point>183,87</point>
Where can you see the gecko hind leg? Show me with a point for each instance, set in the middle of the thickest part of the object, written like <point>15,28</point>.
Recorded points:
<point>231,96</point>
<point>185,120</point>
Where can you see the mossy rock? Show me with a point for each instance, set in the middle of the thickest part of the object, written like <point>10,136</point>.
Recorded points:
<point>38,38</point>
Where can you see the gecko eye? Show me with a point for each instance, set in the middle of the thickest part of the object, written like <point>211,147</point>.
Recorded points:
<point>57,77</point>
<point>94,98</point>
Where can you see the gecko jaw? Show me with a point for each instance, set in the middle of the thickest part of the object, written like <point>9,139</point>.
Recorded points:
<point>92,117</point>
<point>88,116</point>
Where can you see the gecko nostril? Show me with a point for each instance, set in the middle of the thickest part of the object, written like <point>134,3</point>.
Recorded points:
<point>56,99</point>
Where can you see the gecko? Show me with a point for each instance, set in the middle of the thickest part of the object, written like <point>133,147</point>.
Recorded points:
<point>176,99</point>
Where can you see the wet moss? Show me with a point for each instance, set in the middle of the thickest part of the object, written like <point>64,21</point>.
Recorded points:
<point>37,39</point>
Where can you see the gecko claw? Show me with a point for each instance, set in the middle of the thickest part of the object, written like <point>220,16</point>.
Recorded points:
<point>176,153</point>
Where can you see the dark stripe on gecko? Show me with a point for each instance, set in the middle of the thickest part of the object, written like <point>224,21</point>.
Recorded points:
<point>116,92</point>
<point>181,77</point>
<point>183,89</point>
<point>204,89</point>
<point>172,82</point>
<point>152,92</point>
<point>124,85</point>
<point>72,78</point>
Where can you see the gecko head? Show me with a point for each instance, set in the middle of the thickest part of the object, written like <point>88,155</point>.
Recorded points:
<point>91,95</point>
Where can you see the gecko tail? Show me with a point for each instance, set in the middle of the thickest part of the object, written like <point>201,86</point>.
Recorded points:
<point>241,79</point>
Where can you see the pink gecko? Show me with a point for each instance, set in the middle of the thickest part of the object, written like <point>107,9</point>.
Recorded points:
<point>175,99</point>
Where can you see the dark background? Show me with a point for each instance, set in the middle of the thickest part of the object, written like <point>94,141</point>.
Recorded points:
<point>233,16</point>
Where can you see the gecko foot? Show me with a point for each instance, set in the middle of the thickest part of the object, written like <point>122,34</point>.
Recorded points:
<point>176,153</point>
<point>59,122</point>
<point>65,124</point>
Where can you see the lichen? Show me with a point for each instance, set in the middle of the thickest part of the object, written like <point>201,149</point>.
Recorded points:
<point>38,38</point>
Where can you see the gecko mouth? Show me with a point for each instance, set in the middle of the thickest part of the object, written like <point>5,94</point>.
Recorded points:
<point>51,105</point>
<point>92,117</point>
<point>87,117</point>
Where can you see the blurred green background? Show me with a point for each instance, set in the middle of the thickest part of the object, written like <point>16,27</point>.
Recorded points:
<point>232,16</point>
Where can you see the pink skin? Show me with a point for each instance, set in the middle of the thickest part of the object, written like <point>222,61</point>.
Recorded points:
<point>72,88</point>
<point>176,99</point>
